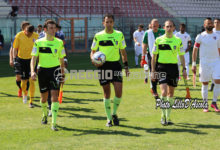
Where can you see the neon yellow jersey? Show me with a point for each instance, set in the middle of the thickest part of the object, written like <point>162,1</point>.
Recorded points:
<point>109,44</point>
<point>49,52</point>
<point>168,49</point>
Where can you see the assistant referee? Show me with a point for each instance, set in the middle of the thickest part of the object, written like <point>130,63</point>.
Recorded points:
<point>51,53</point>
<point>167,47</point>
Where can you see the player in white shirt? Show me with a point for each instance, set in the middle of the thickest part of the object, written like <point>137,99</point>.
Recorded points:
<point>174,29</point>
<point>216,30</point>
<point>138,36</point>
<point>186,41</point>
<point>208,42</point>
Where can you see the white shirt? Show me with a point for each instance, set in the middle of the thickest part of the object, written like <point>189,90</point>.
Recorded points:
<point>185,37</point>
<point>208,44</point>
<point>218,32</point>
<point>138,36</point>
<point>174,32</point>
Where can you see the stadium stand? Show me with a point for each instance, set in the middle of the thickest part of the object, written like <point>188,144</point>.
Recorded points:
<point>4,9</point>
<point>194,8</point>
<point>129,8</point>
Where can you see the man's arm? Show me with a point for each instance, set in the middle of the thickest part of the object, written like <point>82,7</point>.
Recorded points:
<point>33,62</point>
<point>189,46</point>
<point>182,60</point>
<point>194,57</point>
<point>153,62</point>
<point>11,57</point>
<point>62,66</point>
<point>144,49</point>
<point>153,65</point>
<point>15,52</point>
<point>135,41</point>
<point>219,51</point>
<point>125,61</point>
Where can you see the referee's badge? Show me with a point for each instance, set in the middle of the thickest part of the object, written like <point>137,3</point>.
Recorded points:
<point>55,51</point>
<point>116,42</point>
<point>214,37</point>
<point>174,47</point>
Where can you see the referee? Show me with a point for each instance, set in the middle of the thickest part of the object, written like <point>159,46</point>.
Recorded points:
<point>167,47</point>
<point>110,41</point>
<point>50,51</point>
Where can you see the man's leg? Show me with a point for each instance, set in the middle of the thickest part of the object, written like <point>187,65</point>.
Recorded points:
<point>163,89</point>
<point>153,82</point>
<point>44,106</point>
<point>54,107</point>
<point>186,56</point>
<point>117,101</point>
<point>49,104</point>
<point>216,93</point>
<point>204,92</point>
<point>170,99</point>
<point>107,103</point>
<point>212,86</point>
<point>136,56</point>
<point>32,91</point>
<point>24,87</point>
<point>18,83</point>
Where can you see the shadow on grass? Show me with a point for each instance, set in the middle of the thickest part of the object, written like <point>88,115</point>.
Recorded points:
<point>190,89</point>
<point>70,115</point>
<point>196,126</point>
<point>79,100</point>
<point>90,92</point>
<point>164,130</point>
<point>82,84</point>
<point>192,98</point>
<point>108,131</point>
<point>77,109</point>
<point>7,95</point>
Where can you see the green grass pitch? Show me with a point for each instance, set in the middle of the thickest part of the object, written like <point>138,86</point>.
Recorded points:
<point>82,119</point>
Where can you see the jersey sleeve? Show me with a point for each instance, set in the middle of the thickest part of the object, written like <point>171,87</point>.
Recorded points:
<point>155,48</point>
<point>134,35</point>
<point>95,44</point>
<point>61,50</point>
<point>189,38</point>
<point>197,41</point>
<point>145,39</point>
<point>181,50</point>
<point>122,43</point>
<point>35,50</point>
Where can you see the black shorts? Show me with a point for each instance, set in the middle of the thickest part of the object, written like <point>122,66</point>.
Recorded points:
<point>22,67</point>
<point>110,72</point>
<point>168,73</point>
<point>47,79</point>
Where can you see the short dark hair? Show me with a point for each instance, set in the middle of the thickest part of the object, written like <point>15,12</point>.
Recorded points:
<point>24,24</point>
<point>40,26</point>
<point>208,18</point>
<point>30,28</point>
<point>217,19</point>
<point>49,22</point>
<point>141,26</point>
<point>169,21</point>
<point>183,25</point>
<point>58,26</point>
<point>109,16</point>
